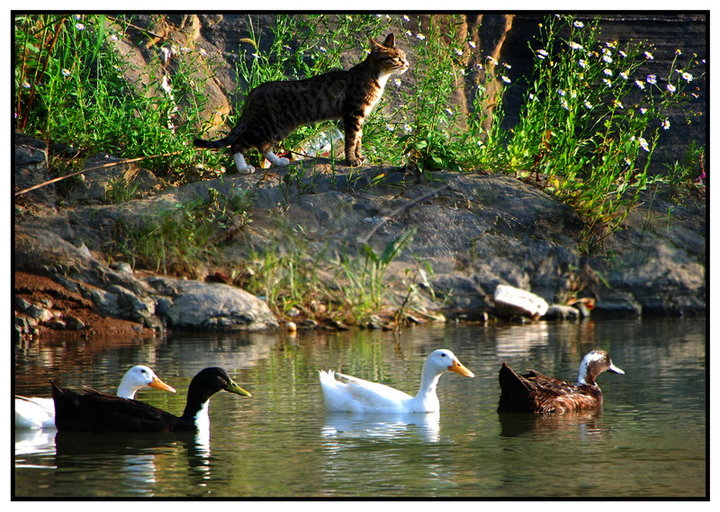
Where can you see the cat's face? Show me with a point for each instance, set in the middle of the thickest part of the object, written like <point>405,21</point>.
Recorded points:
<point>390,59</point>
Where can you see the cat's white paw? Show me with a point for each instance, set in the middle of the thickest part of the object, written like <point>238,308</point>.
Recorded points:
<point>282,162</point>
<point>248,169</point>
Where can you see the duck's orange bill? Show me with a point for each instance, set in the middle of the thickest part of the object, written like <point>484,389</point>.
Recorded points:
<point>458,367</point>
<point>158,384</point>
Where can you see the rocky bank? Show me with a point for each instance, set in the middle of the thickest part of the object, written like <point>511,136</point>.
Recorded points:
<point>475,231</point>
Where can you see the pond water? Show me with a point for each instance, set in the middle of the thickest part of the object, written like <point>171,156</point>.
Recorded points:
<point>649,441</point>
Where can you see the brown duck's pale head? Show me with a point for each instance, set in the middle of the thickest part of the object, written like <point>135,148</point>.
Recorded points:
<point>593,364</point>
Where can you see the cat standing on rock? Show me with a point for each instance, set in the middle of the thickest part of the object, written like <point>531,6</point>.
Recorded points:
<point>274,109</point>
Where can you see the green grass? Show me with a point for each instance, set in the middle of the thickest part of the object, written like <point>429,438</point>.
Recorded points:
<point>183,238</point>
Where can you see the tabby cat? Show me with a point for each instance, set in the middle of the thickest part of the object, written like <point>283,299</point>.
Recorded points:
<point>274,109</point>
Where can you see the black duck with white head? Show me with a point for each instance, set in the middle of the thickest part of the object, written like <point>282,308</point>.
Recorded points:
<point>93,411</point>
<point>536,393</point>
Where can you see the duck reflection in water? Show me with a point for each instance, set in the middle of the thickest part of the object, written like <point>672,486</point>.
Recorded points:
<point>139,458</point>
<point>388,426</point>
<point>586,423</point>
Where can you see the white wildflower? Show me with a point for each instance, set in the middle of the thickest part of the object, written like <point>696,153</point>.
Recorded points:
<point>505,79</point>
<point>640,84</point>
<point>671,88</point>
<point>575,46</point>
<point>578,24</point>
<point>651,79</point>
<point>65,72</point>
<point>491,60</point>
<point>687,76</point>
<point>666,124</point>
<point>542,54</point>
<point>582,63</point>
<point>471,44</point>
<point>607,72</point>
<point>648,55</point>
<point>644,144</point>
<point>420,36</point>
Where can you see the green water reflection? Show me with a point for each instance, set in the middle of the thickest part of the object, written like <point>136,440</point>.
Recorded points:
<point>649,440</point>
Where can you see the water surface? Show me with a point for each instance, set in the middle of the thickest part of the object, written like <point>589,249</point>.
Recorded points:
<point>648,441</point>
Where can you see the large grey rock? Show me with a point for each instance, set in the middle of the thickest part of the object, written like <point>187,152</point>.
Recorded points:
<point>214,306</point>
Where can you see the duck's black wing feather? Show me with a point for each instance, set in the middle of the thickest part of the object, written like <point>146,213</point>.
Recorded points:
<point>94,411</point>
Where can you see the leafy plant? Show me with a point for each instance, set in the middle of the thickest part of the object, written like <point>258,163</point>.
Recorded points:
<point>70,75</point>
<point>591,121</point>
<point>363,286</point>
<point>185,236</point>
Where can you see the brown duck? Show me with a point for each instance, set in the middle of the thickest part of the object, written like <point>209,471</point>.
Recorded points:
<point>534,392</point>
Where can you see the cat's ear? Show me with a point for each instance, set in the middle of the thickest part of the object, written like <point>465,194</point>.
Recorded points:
<point>390,41</point>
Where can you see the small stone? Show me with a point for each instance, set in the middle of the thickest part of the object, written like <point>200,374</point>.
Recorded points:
<point>74,323</point>
<point>40,314</point>
<point>511,301</point>
<point>56,323</point>
<point>560,312</point>
<point>121,266</point>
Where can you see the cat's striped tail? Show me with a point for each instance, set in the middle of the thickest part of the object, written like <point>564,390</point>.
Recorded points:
<point>219,143</point>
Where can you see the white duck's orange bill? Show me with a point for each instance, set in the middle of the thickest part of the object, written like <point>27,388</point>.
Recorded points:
<point>458,367</point>
<point>158,384</point>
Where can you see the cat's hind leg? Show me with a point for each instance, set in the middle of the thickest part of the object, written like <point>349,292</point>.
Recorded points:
<point>267,152</point>
<point>276,160</point>
<point>242,166</point>
<point>239,148</point>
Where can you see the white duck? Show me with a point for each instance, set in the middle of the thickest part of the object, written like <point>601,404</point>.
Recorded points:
<point>358,395</point>
<point>37,413</point>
